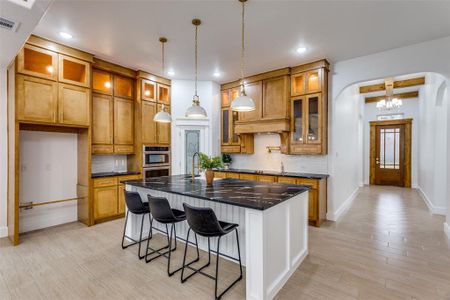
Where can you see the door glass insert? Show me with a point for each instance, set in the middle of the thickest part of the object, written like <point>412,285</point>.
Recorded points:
<point>225,126</point>
<point>299,84</point>
<point>74,71</point>
<point>390,148</point>
<point>298,120</point>
<point>101,81</point>
<point>192,140</point>
<point>313,81</point>
<point>38,62</point>
<point>235,118</point>
<point>313,119</point>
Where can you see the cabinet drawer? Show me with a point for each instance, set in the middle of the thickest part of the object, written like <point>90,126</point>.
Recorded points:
<point>313,183</point>
<point>233,175</point>
<point>105,181</point>
<point>267,178</point>
<point>102,149</point>
<point>247,176</point>
<point>231,149</point>
<point>220,175</point>
<point>290,180</point>
<point>124,149</point>
<point>312,205</point>
<point>129,177</point>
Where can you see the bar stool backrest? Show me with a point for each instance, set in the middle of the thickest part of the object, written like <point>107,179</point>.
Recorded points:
<point>160,208</point>
<point>134,202</point>
<point>202,220</point>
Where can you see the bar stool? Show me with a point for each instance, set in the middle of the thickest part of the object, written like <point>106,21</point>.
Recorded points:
<point>137,207</point>
<point>163,213</point>
<point>203,221</point>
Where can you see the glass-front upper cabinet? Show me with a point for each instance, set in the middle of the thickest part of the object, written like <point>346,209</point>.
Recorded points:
<point>225,126</point>
<point>148,90</point>
<point>313,118</point>
<point>297,120</point>
<point>298,84</point>
<point>163,94</point>
<point>38,62</point>
<point>74,71</point>
<point>123,87</point>
<point>102,82</point>
<point>306,82</point>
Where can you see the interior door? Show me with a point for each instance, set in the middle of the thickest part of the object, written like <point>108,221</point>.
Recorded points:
<point>390,155</point>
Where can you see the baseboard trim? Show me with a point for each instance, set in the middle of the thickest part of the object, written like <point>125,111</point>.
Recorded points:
<point>435,210</point>
<point>3,231</point>
<point>447,230</point>
<point>336,215</point>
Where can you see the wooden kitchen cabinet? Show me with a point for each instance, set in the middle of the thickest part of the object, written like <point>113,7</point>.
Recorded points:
<point>163,94</point>
<point>121,205</point>
<point>267,178</point>
<point>148,90</point>
<point>74,71</point>
<point>123,87</point>
<point>102,82</point>
<point>148,129</point>
<point>37,99</point>
<point>123,122</point>
<point>306,82</point>
<point>105,202</point>
<point>39,62</point>
<point>102,123</point>
<point>74,104</point>
<point>275,98</point>
<point>163,129</point>
<point>245,176</point>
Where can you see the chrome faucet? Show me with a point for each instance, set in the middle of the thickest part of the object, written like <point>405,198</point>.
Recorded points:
<point>193,164</point>
<point>282,168</point>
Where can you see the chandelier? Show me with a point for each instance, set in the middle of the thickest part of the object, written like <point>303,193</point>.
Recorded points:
<point>390,102</point>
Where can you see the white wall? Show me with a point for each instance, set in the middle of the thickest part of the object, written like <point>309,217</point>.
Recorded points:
<point>410,109</point>
<point>3,153</point>
<point>262,160</point>
<point>48,163</point>
<point>181,96</point>
<point>433,143</point>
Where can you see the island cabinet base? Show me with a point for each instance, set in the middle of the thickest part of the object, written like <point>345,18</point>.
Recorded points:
<point>273,241</point>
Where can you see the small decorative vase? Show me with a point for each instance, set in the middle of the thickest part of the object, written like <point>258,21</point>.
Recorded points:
<point>209,174</point>
<point>226,166</point>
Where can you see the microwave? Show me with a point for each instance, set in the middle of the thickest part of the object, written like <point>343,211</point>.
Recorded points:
<point>155,156</point>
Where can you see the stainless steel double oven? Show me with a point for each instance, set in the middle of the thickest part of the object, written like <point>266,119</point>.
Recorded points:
<point>156,161</point>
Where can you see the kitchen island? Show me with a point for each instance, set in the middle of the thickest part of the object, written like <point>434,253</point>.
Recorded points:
<point>272,218</point>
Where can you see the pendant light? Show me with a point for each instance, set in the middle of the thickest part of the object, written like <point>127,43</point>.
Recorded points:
<point>243,102</point>
<point>162,116</point>
<point>196,111</point>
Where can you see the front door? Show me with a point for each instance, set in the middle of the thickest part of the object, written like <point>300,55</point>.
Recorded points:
<point>391,151</point>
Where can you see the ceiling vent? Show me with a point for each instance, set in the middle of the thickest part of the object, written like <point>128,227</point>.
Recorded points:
<point>8,24</point>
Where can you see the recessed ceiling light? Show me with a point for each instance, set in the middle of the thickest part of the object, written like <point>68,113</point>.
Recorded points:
<point>301,50</point>
<point>217,74</point>
<point>170,73</point>
<point>65,35</point>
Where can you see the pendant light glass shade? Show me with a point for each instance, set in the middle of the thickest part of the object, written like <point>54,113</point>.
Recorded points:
<point>195,111</point>
<point>162,116</point>
<point>243,102</point>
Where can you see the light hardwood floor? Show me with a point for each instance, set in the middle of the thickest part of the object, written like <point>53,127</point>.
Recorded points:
<point>387,246</point>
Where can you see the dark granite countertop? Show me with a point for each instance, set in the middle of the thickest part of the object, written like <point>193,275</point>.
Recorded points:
<point>244,193</point>
<point>110,174</point>
<point>275,173</point>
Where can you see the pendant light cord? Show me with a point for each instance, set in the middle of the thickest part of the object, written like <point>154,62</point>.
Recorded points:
<point>162,54</point>
<point>196,57</point>
<point>243,43</point>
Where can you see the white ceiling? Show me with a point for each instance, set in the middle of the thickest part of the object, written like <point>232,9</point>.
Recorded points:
<point>127,32</point>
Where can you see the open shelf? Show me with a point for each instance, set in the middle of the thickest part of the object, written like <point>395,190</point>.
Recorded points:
<point>123,87</point>
<point>102,82</point>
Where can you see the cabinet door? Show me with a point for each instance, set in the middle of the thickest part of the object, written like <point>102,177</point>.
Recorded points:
<point>121,203</point>
<point>36,99</point>
<point>74,105</point>
<point>105,202</point>
<point>163,94</point>
<point>275,98</point>
<point>225,126</point>
<point>298,120</point>
<point>148,90</point>
<point>244,176</point>
<point>225,98</point>
<point>289,180</point>
<point>313,81</point>
<point>312,205</point>
<point>163,129</point>
<point>102,119</point>
<point>267,178</point>
<point>123,121</point>
<point>38,62</point>
<point>123,87</point>
<point>102,82</point>
<point>74,71</point>
<point>148,125</point>
<point>314,115</point>
<point>254,91</point>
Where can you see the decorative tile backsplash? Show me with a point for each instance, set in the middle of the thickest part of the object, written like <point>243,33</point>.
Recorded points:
<point>109,163</point>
